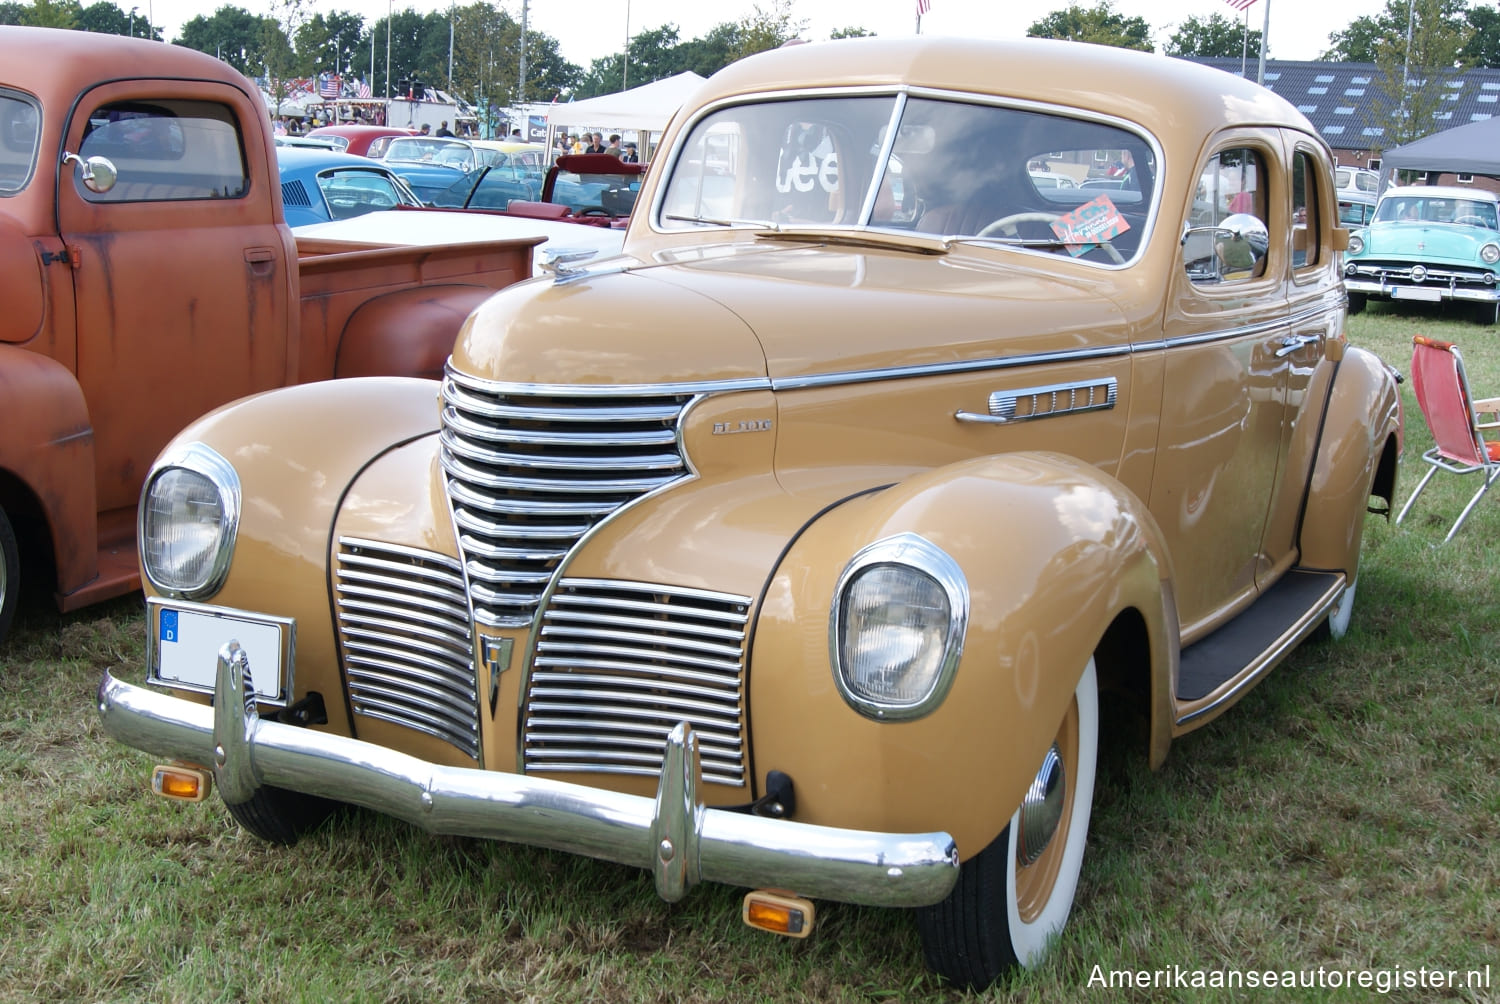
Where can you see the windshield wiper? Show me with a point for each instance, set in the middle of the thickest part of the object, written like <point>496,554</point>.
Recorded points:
<point>717,222</point>
<point>1017,242</point>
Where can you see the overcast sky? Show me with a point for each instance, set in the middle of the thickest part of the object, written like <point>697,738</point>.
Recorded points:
<point>589,29</point>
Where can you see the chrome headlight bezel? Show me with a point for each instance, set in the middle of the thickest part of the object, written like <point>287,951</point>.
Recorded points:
<point>1490,253</point>
<point>203,462</point>
<point>916,554</point>
<point>1356,244</point>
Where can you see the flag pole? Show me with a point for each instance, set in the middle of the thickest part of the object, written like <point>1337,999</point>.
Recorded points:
<point>1265,34</point>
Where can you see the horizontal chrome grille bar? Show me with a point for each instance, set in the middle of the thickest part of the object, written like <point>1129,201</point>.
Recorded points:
<point>618,664</point>
<point>404,630</point>
<point>530,471</point>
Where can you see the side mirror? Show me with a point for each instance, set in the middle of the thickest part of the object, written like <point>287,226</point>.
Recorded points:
<point>97,173</point>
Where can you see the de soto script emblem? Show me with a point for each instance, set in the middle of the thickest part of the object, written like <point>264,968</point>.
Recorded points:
<point>749,425</point>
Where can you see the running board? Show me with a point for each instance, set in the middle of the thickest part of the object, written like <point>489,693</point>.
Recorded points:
<point>1248,646</point>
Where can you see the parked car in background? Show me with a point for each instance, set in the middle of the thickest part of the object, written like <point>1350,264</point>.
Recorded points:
<point>1053,179</point>
<point>430,165</point>
<point>1357,179</point>
<point>593,188</point>
<point>322,185</point>
<point>305,142</point>
<point>1429,243</point>
<point>804,545</point>
<point>361,140</point>
<point>1356,209</point>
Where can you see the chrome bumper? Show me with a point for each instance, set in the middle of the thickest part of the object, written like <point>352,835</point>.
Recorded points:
<point>674,835</point>
<point>1372,287</point>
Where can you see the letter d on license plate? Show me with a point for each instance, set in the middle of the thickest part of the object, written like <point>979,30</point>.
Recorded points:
<point>183,642</point>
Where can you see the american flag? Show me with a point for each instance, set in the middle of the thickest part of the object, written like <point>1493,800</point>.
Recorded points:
<point>364,89</point>
<point>1240,4</point>
<point>923,6</point>
<point>328,86</point>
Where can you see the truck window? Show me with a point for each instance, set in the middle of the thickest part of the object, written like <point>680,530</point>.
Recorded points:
<point>167,151</point>
<point>20,126</point>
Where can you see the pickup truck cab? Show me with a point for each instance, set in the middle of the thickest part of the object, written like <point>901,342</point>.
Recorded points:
<point>805,545</point>
<point>148,275</point>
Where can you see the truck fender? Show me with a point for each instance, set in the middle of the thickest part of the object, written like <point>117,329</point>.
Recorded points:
<point>1356,459</point>
<point>1053,552</point>
<point>406,333</point>
<point>47,459</point>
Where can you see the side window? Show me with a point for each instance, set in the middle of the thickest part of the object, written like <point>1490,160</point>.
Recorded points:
<point>1227,239</point>
<point>1305,221</point>
<point>20,124</point>
<point>167,151</point>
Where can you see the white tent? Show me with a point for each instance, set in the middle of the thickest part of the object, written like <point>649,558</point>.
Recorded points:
<point>646,108</point>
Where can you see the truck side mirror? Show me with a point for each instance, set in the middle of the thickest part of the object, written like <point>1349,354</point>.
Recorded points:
<point>97,173</point>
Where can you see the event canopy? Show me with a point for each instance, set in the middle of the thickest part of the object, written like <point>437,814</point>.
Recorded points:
<point>646,108</point>
<point>1465,149</point>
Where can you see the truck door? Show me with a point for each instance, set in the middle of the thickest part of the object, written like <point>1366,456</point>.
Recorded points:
<point>183,279</point>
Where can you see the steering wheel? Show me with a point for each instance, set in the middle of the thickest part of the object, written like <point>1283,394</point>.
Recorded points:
<point>382,201</point>
<point>1473,221</point>
<point>1005,226</point>
<point>597,211</point>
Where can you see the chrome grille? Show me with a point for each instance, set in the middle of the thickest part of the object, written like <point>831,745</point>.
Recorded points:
<point>530,473</point>
<point>404,626</point>
<point>618,664</point>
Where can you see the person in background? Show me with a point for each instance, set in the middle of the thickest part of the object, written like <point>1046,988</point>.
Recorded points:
<point>443,129</point>
<point>630,155</point>
<point>614,146</point>
<point>596,144</point>
<point>425,130</point>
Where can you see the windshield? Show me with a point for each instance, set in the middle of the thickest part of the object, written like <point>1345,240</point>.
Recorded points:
<point>20,125</point>
<point>444,153</point>
<point>355,191</point>
<point>953,169</point>
<point>1433,209</point>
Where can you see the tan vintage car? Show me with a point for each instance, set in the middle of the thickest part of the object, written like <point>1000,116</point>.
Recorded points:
<point>803,546</point>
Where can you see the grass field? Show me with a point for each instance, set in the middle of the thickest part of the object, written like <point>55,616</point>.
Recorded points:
<point>1345,816</point>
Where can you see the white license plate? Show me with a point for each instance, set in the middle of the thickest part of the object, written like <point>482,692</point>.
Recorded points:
<point>1416,293</point>
<point>185,638</point>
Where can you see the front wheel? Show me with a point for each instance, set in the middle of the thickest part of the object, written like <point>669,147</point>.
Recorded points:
<point>280,816</point>
<point>1014,896</point>
<point>1356,303</point>
<point>10,574</point>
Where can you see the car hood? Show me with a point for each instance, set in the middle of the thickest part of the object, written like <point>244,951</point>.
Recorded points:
<point>1427,241</point>
<point>767,310</point>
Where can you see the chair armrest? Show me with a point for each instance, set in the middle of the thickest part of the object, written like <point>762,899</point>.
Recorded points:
<point>1487,406</point>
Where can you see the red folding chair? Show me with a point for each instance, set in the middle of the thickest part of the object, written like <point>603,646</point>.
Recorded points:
<point>1442,387</point>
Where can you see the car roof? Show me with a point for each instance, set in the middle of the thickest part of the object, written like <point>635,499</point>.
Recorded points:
<point>352,129</point>
<point>303,157</point>
<point>1440,192</point>
<point>1164,95</point>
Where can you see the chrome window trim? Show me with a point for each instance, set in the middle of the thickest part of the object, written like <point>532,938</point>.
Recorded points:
<point>206,461</point>
<point>916,552</point>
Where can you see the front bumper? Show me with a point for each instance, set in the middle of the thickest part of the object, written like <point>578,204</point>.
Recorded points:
<point>675,836</point>
<point>1435,288</point>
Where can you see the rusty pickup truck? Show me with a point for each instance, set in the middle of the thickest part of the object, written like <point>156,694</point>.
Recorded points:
<point>148,276</point>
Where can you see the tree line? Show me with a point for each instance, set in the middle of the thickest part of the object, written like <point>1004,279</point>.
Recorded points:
<point>475,50</point>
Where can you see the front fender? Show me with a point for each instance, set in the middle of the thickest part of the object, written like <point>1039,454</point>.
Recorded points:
<point>297,452</point>
<point>1052,550</point>
<point>48,447</point>
<point>1356,459</point>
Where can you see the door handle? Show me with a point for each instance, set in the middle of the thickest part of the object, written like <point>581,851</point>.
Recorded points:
<point>260,260</point>
<point>1292,343</point>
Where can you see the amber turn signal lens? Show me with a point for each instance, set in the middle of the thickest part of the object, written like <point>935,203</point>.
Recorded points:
<point>778,912</point>
<point>181,782</point>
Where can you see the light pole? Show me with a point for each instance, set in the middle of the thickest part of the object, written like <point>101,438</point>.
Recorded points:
<point>625,58</point>
<point>389,6</point>
<point>132,21</point>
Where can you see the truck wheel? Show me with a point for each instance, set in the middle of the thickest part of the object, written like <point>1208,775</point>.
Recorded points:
<point>279,816</point>
<point>1356,303</point>
<point>1016,893</point>
<point>10,574</point>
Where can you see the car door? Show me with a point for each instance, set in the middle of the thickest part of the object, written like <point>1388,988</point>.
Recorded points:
<point>183,277</point>
<point>1225,379</point>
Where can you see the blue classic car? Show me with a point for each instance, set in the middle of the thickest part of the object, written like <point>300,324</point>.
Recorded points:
<point>1428,243</point>
<point>318,186</point>
<point>431,165</point>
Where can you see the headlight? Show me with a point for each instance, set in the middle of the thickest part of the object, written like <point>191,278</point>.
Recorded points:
<point>189,514</point>
<point>1489,254</point>
<point>1356,244</point>
<point>896,629</point>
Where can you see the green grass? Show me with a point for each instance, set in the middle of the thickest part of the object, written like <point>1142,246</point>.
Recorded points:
<point>1345,815</point>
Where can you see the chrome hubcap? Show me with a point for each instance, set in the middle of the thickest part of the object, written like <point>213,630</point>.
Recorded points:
<point>1042,808</point>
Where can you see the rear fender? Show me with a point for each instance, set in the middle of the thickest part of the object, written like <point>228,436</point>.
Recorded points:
<point>48,447</point>
<point>1356,460</point>
<point>406,333</point>
<point>1052,551</point>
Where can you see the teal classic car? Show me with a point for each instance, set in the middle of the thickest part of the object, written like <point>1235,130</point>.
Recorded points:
<point>1428,243</point>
